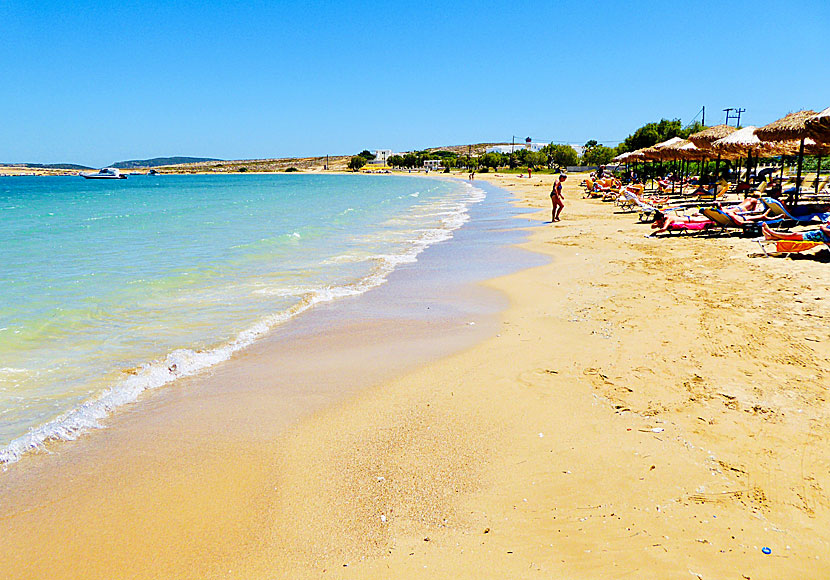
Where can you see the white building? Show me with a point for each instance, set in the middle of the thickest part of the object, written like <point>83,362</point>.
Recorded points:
<point>382,156</point>
<point>529,146</point>
<point>433,164</point>
<point>510,148</point>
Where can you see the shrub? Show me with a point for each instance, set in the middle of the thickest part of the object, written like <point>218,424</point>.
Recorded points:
<point>356,162</point>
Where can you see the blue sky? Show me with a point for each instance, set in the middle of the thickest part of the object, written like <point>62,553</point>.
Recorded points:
<point>97,82</point>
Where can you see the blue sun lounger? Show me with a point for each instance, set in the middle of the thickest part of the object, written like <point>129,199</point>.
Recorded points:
<point>781,210</point>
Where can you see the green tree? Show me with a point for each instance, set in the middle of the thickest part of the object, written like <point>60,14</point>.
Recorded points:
<point>535,159</point>
<point>651,134</point>
<point>591,143</point>
<point>695,127</point>
<point>366,155</point>
<point>410,160</point>
<point>491,160</point>
<point>597,155</point>
<point>395,161</point>
<point>561,155</point>
<point>357,162</point>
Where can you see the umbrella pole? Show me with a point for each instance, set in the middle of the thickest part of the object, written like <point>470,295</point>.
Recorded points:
<point>673,176</point>
<point>682,171</point>
<point>798,171</point>
<point>717,169</point>
<point>818,173</point>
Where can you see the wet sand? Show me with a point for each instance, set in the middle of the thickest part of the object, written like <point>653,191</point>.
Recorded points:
<point>642,408</point>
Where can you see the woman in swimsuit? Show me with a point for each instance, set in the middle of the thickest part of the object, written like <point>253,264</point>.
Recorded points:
<point>556,198</point>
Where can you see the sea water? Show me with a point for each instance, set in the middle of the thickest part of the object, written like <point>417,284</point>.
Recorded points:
<point>109,288</point>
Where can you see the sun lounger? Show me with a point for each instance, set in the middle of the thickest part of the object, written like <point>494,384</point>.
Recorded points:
<point>789,246</point>
<point>690,227</point>
<point>719,192</point>
<point>726,221</point>
<point>779,209</point>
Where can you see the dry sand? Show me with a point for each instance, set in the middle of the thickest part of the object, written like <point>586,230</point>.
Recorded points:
<point>648,409</point>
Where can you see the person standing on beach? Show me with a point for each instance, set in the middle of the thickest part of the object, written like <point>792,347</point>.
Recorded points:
<point>556,198</point>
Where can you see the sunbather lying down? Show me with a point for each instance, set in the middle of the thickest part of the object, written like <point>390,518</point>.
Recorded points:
<point>663,223</point>
<point>822,234</point>
<point>742,217</point>
<point>751,204</point>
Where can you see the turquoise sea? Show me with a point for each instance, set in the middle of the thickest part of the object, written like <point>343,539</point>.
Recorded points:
<point>112,287</point>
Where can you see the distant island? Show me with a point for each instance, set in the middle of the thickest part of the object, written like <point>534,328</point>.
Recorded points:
<point>159,161</point>
<point>46,165</point>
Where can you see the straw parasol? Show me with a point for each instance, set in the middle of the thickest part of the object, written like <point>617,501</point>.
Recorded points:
<point>745,141</point>
<point>819,126</point>
<point>685,151</point>
<point>702,139</point>
<point>788,128</point>
<point>682,149</point>
<point>664,151</point>
<point>791,127</point>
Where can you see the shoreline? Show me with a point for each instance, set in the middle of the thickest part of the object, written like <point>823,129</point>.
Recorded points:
<point>149,449</point>
<point>169,367</point>
<point>639,409</point>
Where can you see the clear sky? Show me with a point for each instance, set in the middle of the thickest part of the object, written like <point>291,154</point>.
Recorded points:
<point>98,82</point>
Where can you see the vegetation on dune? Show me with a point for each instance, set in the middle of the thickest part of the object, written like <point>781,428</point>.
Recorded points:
<point>160,161</point>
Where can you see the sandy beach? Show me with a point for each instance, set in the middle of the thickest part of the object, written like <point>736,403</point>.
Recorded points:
<point>642,408</point>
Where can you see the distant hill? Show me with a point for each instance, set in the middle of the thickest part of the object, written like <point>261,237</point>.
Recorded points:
<point>47,165</point>
<point>159,161</point>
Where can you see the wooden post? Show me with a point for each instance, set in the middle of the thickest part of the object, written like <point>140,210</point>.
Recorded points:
<point>798,171</point>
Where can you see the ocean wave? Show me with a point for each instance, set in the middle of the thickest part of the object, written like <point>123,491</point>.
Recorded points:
<point>185,362</point>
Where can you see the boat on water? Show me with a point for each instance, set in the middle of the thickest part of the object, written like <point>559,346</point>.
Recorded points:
<point>105,173</point>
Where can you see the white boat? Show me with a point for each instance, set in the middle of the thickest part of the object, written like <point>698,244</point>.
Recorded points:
<point>105,173</point>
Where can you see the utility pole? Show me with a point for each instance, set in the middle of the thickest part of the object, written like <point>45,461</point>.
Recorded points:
<point>512,144</point>
<point>736,115</point>
<point>703,122</point>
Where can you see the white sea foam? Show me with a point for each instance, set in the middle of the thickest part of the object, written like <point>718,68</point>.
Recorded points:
<point>184,362</point>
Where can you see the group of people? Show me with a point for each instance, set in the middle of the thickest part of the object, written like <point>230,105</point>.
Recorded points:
<point>752,211</point>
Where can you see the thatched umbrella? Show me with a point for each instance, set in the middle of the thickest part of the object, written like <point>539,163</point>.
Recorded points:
<point>704,139</point>
<point>788,128</point>
<point>664,152</point>
<point>632,156</point>
<point>746,142</point>
<point>819,126</point>
<point>623,157</point>
<point>687,152</point>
